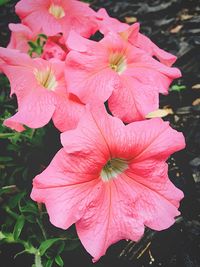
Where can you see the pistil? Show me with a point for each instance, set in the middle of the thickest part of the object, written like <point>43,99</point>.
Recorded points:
<point>117,62</point>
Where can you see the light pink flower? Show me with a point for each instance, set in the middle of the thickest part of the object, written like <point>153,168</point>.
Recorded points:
<point>41,92</point>
<point>111,180</point>
<point>57,16</point>
<point>131,33</point>
<point>114,70</point>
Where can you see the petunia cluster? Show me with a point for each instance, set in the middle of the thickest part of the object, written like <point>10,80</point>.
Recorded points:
<point>110,177</point>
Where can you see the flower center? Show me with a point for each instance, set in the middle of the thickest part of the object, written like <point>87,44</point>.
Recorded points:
<point>113,168</point>
<point>57,11</point>
<point>117,62</point>
<point>46,78</point>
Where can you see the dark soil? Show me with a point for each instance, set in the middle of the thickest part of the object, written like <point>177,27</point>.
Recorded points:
<point>174,26</point>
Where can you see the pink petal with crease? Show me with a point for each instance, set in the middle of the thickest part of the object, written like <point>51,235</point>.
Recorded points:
<point>132,100</point>
<point>108,24</point>
<point>35,111</point>
<point>63,188</point>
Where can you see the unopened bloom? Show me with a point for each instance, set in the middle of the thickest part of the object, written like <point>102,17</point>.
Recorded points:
<point>114,70</point>
<point>41,92</point>
<point>54,48</point>
<point>57,16</point>
<point>111,180</point>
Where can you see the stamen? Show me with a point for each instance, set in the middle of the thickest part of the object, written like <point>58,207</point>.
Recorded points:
<point>57,11</point>
<point>46,78</point>
<point>117,62</point>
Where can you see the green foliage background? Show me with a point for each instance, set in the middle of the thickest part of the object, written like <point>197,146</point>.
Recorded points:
<point>24,222</point>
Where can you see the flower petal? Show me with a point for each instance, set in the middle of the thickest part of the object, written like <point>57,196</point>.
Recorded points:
<point>156,140</point>
<point>139,40</point>
<point>154,209</point>
<point>68,112</point>
<point>37,101</point>
<point>35,111</point>
<point>77,42</point>
<point>96,135</point>
<point>154,174</point>
<point>108,24</point>
<point>35,15</point>
<point>20,35</point>
<point>76,15</point>
<point>132,100</point>
<point>89,77</point>
<point>149,71</point>
<point>11,57</point>
<point>110,218</point>
<point>66,187</point>
<point>80,17</point>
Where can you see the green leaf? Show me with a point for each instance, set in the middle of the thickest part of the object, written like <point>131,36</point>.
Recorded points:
<point>6,135</point>
<point>38,41</point>
<point>49,263</point>
<point>59,261</point>
<point>3,2</point>
<point>42,35</point>
<point>8,189</point>
<point>13,201</point>
<point>30,218</point>
<point>47,244</point>
<point>29,248</point>
<point>5,159</point>
<point>177,88</point>
<point>29,208</point>
<point>38,50</point>
<point>2,236</point>
<point>18,227</point>
<point>7,236</point>
<point>32,45</point>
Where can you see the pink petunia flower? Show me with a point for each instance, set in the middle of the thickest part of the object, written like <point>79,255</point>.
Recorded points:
<point>41,92</point>
<point>114,70</point>
<point>111,180</point>
<point>131,33</point>
<point>57,16</point>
